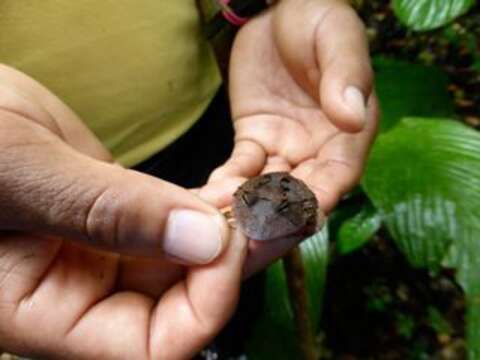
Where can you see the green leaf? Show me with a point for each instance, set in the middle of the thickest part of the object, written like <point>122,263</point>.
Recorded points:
<point>421,15</point>
<point>473,327</point>
<point>273,335</point>
<point>438,322</point>
<point>405,325</point>
<point>345,210</point>
<point>358,230</point>
<point>424,177</point>
<point>315,260</point>
<point>406,90</point>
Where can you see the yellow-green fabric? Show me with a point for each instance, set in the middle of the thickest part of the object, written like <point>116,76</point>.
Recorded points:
<point>138,72</point>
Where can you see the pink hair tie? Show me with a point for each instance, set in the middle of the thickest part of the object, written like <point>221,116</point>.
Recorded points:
<point>230,15</point>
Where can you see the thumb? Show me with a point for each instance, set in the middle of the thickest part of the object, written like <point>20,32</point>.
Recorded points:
<point>334,64</point>
<point>46,186</point>
<point>346,74</point>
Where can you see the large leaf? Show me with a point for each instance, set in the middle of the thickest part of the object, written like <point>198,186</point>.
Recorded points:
<point>358,230</point>
<point>424,177</point>
<point>429,14</point>
<point>273,335</point>
<point>315,260</point>
<point>406,89</point>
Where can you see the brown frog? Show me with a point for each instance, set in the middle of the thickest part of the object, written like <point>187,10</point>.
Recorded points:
<point>275,205</point>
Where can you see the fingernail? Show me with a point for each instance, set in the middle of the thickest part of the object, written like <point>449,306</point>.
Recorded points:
<point>192,236</point>
<point>356,102</point>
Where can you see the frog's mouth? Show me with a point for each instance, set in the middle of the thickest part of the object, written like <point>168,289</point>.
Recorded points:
<point>302,233</point>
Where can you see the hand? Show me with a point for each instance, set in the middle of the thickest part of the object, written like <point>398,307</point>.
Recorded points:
<point>62,201</point>
<point>302,102</point>
<point>301,98</point>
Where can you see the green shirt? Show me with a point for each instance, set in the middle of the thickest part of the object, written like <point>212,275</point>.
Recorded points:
<point>138,72</point>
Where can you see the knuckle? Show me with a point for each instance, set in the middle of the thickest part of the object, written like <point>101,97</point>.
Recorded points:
<point>101,216</point>
<point>13,101</point>
<point>16,98</point>
<point>217,174</point>
<point>338,12</point>
<point>114,219</point>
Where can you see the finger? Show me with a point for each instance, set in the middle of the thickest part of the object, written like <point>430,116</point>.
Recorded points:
<point>263,253</point>
<point>345,71</point>
<point>247,160</point>
<point>50,284</point>
<point>149,276</point>
<point>328,179</point>
<point>339,164</point>
<point>276,164</point>
<point>86,320</point>
<point>22,94</point>
<point>48,187</point>
<point>334,65</point>
<point>202,304</point>
<point>220,193</point>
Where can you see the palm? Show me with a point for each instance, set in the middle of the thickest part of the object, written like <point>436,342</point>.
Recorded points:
<point>274,100</point>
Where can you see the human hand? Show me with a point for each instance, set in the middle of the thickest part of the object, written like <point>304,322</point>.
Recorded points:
<point>62,201</point>
<point>302,101</point>
<point>301,98</point>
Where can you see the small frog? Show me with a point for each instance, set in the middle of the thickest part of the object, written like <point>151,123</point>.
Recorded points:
<point>275,205</point>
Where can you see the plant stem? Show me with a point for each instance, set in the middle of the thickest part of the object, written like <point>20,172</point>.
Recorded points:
<point>295,274</point>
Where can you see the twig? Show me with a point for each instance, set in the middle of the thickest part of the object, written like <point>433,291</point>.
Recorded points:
<point>295,274</point>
